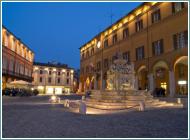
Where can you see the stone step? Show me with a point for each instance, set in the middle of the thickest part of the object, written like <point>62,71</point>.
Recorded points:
<point>108,107</point>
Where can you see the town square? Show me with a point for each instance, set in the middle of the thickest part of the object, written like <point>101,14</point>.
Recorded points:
<point>94,70</point>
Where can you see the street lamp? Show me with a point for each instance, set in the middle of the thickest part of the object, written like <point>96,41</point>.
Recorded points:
<point>98,46</point>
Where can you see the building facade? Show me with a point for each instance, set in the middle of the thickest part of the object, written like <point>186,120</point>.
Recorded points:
<point>53,78</point>
<point>17,59</point>
<point>154,37</point>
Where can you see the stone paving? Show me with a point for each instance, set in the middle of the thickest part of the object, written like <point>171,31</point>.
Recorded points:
<point>38,120</point>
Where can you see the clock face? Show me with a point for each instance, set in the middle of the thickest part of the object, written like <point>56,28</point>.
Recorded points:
<point>98,44</point>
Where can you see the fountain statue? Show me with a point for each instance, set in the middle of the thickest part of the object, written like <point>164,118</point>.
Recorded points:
<point>120,76</point>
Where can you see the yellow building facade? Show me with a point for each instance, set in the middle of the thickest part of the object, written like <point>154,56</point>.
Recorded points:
<point>154,37</point>
<point>17,59</point>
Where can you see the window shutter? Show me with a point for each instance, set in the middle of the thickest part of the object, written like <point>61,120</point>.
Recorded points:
<point>175,41</point>
<point>141,24</point>
<point>173,7</point>
<point>152,16</point>
<point>153,48</point>
<point>182,5</point>
<point>161,46</point>
<point>186,37</point>
<point>129,56</point>
<point>136,53</point>
<point>159,14</point>
<point>142,51</point>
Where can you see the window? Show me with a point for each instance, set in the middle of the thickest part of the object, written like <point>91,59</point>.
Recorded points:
<point>106,64</point>
<point>125,33</point>
<point>180,40</point>
<point>156,16</point>
<point>140,53</point>
<point>41,72</point>
<point>40,79</point>
<point>114,40</point>
<point>177,6</point>
<point>114,58</point>
<point>139,25</point>
<point>157,47</point>
<point>87,54</point>
<point>82,55</point>
<point>92,51</point>
<point>126,56</point>
<point>67,81</point>
<point>67,73</point>
<point>106,43</point>
<point>99,65</point>
<point>87,69</point>
<point>49,72</point>
<point>58,73</point>
<point>49,80</point>
<point>58,80</point>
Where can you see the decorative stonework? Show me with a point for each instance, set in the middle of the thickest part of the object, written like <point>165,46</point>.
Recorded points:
<point>120,75</point>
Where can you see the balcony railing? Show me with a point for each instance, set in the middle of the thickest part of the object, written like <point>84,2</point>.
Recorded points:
<point>17,75</point>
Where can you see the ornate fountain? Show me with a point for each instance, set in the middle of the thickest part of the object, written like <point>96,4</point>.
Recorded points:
<point>120,92</point>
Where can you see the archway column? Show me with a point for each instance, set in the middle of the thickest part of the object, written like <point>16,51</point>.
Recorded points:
<point>103,84</point>
<point>151,82</point>
<point>172,83</point>
<point>95,83</point>
<point>136,82</point>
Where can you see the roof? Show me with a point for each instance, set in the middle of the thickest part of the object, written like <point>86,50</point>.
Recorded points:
<point>58,65</point>
<point>144,3</point>
<point>18,39</point>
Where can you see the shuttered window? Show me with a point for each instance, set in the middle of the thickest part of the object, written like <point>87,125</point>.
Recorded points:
<point>157,47</point>
<point>140,53</point>
<point>180,40</point>
<point>139,25</point>
<point>156,16</point>
<point>177,6</point>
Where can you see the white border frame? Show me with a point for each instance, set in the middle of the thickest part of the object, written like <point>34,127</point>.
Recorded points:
<point>94,2</point>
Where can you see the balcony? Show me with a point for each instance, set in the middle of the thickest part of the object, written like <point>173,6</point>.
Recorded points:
<point>6,72</point>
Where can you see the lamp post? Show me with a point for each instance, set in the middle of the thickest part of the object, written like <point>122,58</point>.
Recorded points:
<point>98,46</point>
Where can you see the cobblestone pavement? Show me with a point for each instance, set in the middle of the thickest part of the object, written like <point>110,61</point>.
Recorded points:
<point>37,119</point>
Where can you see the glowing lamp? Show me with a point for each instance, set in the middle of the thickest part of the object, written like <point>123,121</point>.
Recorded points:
<point>98,44</point>
<point>182,82</point>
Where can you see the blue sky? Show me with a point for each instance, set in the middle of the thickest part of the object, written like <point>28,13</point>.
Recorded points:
<point>55,31</point>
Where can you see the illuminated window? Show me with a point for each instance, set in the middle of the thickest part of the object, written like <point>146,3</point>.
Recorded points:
<point>163,85</point>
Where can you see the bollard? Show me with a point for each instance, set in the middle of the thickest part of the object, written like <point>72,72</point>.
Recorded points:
<point>58,99</point>
<point>179,100</point>
<point>141,106</point>
<point>82,107</point>
<point>83,97</point>
<point>66,103</point>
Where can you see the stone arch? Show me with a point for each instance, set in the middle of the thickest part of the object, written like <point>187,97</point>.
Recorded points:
<point>141,77</point>
<point>180,68</point>
<point>160,71</point>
